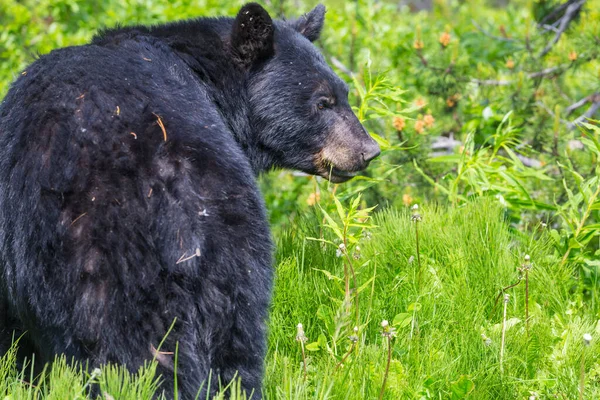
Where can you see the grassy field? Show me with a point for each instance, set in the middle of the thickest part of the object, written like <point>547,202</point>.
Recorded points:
<point>446,340</point>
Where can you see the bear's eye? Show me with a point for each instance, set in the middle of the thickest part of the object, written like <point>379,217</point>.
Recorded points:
<point>323,104</point>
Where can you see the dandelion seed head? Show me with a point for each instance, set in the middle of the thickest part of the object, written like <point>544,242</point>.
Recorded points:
<point>587,339</point>
<point>300,336</point>
<point>356,254</point>
<point>354,337</point>
<point>341,250</point>
<point>416,217</point>
<point>486,340</point>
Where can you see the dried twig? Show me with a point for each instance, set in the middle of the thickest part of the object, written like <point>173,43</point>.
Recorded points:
<point>162,126</point>
<point>161,356</point>
<point>345,357</point>
<point>503,292</point>
<point>77,219</point>
<point>183,258</point>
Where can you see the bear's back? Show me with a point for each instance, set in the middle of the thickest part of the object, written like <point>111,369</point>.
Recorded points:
<point>115,165</point>
<point>112,106</point>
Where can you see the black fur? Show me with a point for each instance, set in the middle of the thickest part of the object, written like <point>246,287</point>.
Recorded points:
<point>311,24</point>
<point>128,194</point>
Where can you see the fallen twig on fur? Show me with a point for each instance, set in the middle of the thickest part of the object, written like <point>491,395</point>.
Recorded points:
<point>162,126</point>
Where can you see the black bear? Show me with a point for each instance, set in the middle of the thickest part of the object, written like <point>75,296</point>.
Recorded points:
<point>128,195</point>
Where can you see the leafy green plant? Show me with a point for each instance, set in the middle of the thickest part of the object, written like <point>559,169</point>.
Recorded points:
<point>582,206</point>
<point>349,227</point>
<point>493,168</point>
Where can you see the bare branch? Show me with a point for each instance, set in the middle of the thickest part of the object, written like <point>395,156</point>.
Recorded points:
<point>588,114</point>
<point>566,19</point>
<point>587,99</point>
<point>491,82</point>
<point>573,124</point>
<point>339,65</point>
<point>548,71</point>
<point>549,111</point>
<point>554,13</point>
<point>531,75</point>
<point>486,33</point>
<point>550,28</point>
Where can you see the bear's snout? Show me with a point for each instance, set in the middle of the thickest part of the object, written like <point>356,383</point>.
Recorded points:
<point>348,150</point>
<point>371,151</point>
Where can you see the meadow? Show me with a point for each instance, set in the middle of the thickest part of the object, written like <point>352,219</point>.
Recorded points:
<point>464,263</point>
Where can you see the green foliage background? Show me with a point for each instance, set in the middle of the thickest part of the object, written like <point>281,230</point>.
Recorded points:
<point>477,121</point>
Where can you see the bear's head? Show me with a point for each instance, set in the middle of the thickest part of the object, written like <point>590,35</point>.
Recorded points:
<point>299,110</point>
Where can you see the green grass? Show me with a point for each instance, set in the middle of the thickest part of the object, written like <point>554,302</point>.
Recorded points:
<point>467,255</point>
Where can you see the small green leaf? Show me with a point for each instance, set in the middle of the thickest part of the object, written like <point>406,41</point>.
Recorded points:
<point>333,225</point>
<point>340,208</point>
<point>402,320</point>
<point>382,142</point>
<point>322,340</point>
<point>462,387</point>
<point>329,275</point>
<point>314,346</point>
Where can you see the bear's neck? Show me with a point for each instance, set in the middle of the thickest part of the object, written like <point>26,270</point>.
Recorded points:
<point>203,44</point>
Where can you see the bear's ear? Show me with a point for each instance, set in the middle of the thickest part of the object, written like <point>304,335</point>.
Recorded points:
<point>252,34</point>
<point>311,24</point>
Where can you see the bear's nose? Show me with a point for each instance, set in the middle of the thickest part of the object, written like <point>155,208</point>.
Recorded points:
<point>370,151</point>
